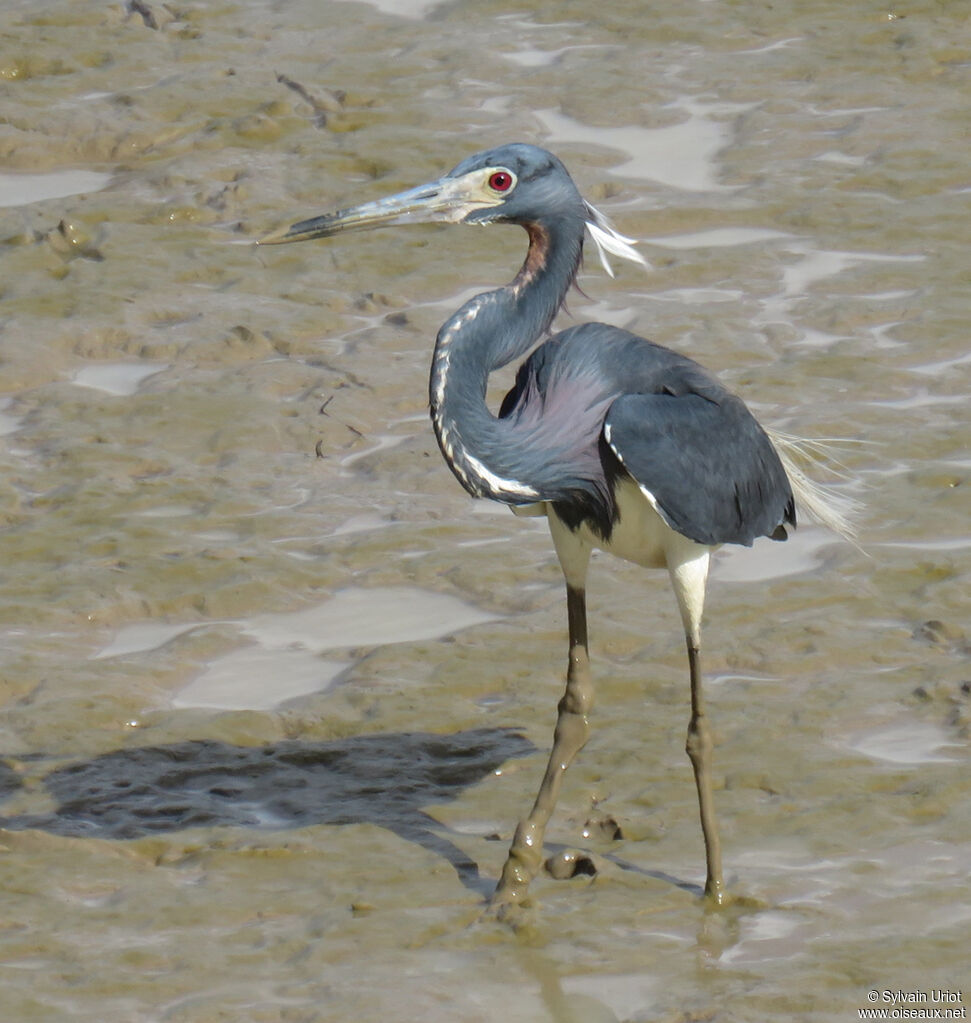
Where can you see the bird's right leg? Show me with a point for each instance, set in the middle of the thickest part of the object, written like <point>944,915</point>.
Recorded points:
<point>689,574</point>
<point>526,852</point>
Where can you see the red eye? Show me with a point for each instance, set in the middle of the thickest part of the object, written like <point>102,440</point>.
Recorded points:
<point>501,181</point>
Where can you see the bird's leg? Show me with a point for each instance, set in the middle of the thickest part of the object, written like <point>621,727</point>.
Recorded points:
<point>526,852</point>
<point>689,575</point>
<point>699,749</point>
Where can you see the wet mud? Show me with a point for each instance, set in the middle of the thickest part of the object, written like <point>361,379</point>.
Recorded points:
<point>274,691</point>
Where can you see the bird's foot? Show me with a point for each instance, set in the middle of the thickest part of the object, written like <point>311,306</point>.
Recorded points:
<point>514,914</point>
<point>513,886</point>
<point>522,865</point>
<point>715,893</point>
<point>717,898</point>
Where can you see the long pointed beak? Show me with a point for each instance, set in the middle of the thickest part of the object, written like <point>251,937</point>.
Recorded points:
<point>448,199</point>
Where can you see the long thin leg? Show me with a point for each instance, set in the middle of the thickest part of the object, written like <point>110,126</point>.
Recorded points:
<point>689,575</point>
<point>699,748</point>
<point>526,852</point>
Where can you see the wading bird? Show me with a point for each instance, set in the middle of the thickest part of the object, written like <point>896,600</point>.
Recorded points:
<point>624,445</point>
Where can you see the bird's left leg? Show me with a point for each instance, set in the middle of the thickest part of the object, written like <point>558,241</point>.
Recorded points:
<point>689,575</point>
<point>526,852</point>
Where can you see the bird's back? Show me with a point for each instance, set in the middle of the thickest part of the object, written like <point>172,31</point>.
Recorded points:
<point>694,449</point>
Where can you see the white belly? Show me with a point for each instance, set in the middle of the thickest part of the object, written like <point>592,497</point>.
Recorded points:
<point>640,534</point>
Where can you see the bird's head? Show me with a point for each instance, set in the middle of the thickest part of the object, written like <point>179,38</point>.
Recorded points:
<point>515,183</point>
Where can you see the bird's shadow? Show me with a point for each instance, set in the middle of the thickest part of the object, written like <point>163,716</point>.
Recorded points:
<point>384,779</point>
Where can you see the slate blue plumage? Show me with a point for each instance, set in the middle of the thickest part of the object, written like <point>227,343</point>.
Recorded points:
<point>622,444</point>
<point>673,427</point>
<point>677,432</point>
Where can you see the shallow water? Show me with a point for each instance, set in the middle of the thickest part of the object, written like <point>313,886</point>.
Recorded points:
<point>26,189</point>
<point>273,691</point>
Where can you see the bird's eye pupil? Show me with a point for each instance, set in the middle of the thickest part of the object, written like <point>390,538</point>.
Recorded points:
<point>500,181</point>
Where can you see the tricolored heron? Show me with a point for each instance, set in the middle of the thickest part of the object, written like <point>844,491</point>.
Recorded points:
<point>624,445</point>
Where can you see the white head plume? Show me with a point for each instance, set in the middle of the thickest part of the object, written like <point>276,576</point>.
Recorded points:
<point>607,239</point>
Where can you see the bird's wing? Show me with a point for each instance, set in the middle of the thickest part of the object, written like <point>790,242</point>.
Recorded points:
<point>705,465</point>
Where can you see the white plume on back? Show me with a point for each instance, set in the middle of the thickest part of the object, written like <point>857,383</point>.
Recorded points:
<point>837,511</point>
<point>608,239</point>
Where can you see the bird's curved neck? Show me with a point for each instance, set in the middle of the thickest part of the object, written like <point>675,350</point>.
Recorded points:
<point>488,332</point>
